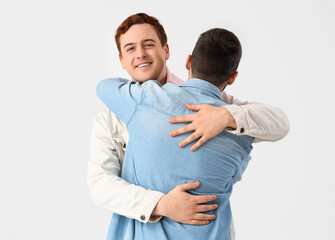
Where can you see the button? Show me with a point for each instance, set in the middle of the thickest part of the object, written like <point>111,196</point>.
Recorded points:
<point>242,130</point>
<point>142,217</point>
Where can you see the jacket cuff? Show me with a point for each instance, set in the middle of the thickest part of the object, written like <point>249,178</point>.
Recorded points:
<point>152,202</point>
<point>240,119</point>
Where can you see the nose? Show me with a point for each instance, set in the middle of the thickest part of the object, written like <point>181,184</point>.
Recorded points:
<point>141,53</point>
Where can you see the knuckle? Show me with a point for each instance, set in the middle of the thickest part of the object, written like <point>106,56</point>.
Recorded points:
<point>201,122</point>
<point>205,138</point>
<point>206,208</point>
<point>192,137</point>
<point>200,114</point>
<point>211,133</point>
<point>192,209</point>
<point>197,134</point>
<point>185,129</point>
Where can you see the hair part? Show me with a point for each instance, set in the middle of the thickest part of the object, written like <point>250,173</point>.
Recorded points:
<point>140,18</point>
<point>216,56</point>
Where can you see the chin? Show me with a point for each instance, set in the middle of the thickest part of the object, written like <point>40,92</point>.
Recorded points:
<point>146,78</point>
<point>141,80</point>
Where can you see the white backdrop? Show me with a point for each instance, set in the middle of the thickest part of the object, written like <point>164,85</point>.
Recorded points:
<point>52,55</point>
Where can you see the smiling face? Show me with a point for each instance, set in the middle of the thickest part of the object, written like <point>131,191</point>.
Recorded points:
<point>143,55</point>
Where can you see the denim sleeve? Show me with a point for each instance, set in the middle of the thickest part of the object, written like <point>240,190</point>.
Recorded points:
<point>120,96</point>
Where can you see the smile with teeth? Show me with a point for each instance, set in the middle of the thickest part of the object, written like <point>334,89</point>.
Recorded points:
<point>143,65</point>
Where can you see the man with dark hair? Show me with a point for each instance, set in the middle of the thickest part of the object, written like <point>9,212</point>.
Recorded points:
<point>221,62</point>
<point>156,162</point>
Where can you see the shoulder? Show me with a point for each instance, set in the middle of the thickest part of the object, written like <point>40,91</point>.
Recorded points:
<point>111,123</point>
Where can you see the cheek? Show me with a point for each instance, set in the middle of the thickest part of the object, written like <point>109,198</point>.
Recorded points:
<point>128,62</point>
<point>161,57</point>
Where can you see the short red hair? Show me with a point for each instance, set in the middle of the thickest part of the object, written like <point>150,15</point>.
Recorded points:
<point>140,18</point>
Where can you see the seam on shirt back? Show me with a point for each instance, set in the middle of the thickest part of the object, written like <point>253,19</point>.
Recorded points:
<point>159,110</point>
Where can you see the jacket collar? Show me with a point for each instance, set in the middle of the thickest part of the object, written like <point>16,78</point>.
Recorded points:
<point>205,87</point>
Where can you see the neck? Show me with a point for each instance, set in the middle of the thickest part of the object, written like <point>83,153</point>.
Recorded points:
<point>163,76</point>
<point>221,87</point>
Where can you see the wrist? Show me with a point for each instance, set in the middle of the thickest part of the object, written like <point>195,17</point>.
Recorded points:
<point>231,123</point>
<point>159,209</point>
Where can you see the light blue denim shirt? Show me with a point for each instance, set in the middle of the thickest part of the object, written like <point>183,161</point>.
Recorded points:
<point>154,160</point>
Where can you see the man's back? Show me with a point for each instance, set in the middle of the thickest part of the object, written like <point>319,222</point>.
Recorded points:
<point>154,160</point>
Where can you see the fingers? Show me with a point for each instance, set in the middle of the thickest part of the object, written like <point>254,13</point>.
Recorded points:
<point>191,138</point>
<point>185,118</point>
<point>204,198</point>
<point>194,107</point>
<point>202,216</point>
<point>206,207</point>
<point>202,219</point>
<point>189,186</point>
<point>201,141</point>
<point>197,222</point>
<point>187,128</point>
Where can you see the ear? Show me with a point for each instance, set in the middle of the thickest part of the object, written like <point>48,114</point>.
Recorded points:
<point>231,80</point>
<point>188,62</point>
<point>121,61</point>
<point>167,51</point>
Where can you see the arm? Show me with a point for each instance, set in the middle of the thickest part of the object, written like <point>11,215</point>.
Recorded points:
<point>108,190</point>
<point>259,120</point>
<point>264,122</point>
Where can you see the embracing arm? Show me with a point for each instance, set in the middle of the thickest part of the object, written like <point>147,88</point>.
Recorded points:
<point>259,120</point>
<point>108,190</point>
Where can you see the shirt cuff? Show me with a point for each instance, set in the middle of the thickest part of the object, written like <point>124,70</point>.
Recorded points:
<point>240,119</point>
<point>145,216</point>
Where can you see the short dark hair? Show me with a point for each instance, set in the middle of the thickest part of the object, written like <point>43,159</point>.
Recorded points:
<point>216,56</point>
<point>140,18</point>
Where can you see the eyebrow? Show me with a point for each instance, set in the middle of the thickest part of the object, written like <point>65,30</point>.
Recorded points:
<point>149,40</point>
<point>128,44</point>
<point>145,40</point>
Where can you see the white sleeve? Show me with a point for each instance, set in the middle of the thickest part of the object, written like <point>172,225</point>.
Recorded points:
<point>108,190</point>
<point>261,121</point>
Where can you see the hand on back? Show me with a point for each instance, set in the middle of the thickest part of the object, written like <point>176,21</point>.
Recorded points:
<point>206,123</point>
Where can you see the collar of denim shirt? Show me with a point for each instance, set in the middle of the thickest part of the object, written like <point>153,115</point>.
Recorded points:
<point>205,87</point>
